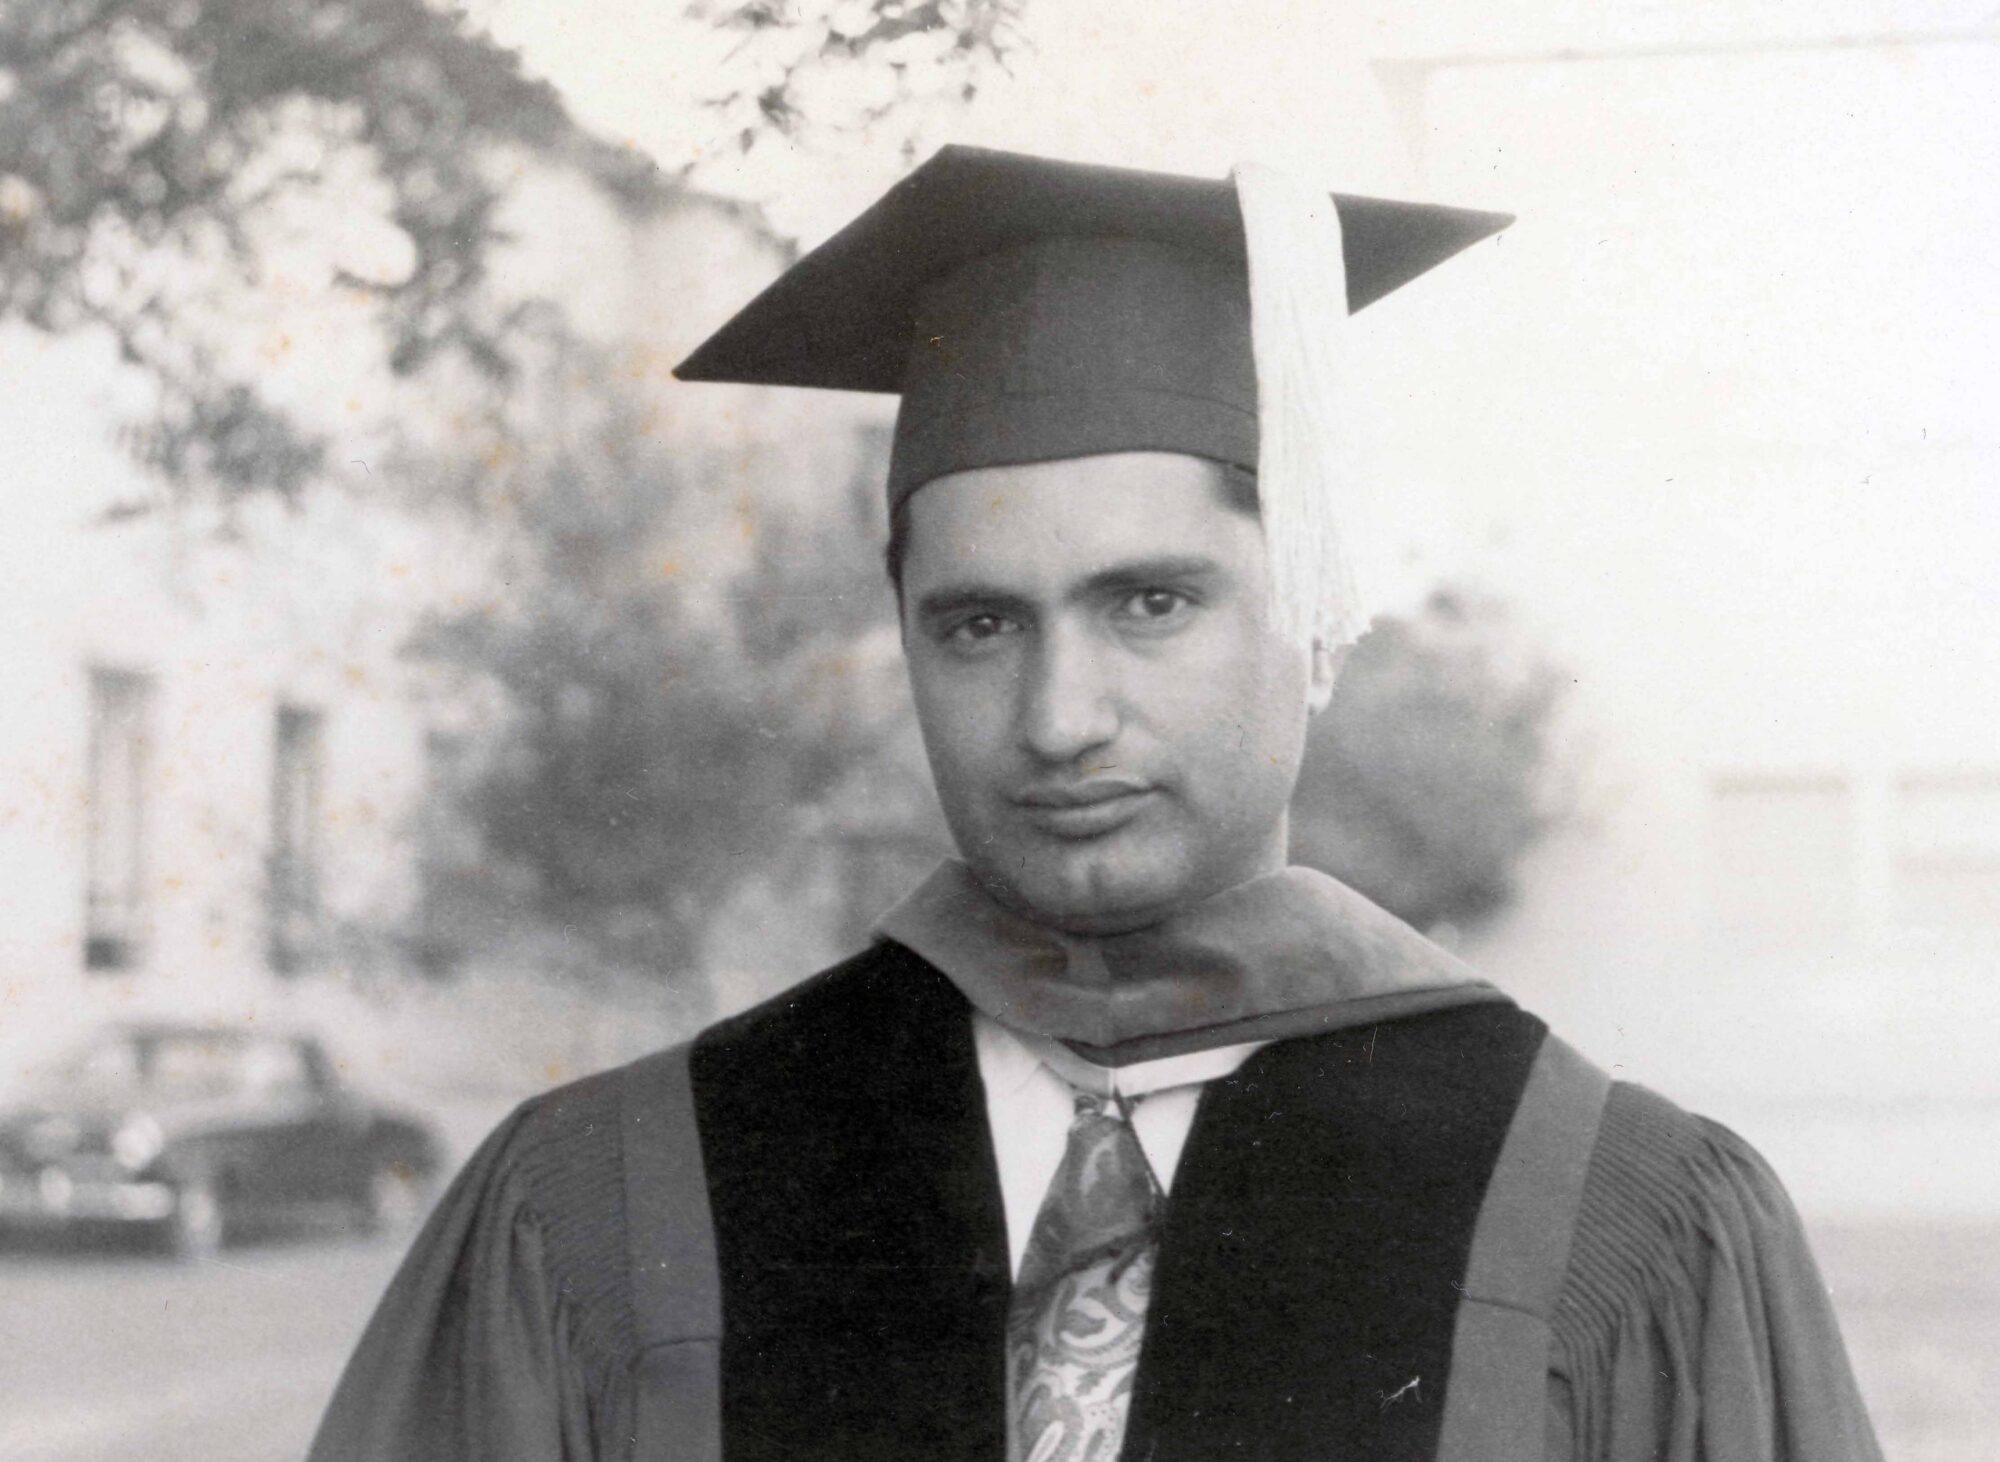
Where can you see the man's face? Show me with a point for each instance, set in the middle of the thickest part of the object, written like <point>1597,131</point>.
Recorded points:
<point>1113,725</point>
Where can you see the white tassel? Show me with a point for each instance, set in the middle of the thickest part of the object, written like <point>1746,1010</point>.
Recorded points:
<point>1309,485</point>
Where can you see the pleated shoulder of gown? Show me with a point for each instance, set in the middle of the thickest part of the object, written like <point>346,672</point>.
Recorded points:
<point>1693,1325</point>
<point>508,1332</point>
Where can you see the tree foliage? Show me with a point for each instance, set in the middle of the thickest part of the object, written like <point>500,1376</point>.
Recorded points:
<point>1438,765</point>
<point>148,149</point>
<point>807,70</point>
<point>667,725</point>
<point>147,145</point>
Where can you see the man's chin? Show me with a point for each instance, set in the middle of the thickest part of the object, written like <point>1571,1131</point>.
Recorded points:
<point>1088,896</point>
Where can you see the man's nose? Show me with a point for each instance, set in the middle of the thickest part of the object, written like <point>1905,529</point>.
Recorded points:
<point>1068,705</point>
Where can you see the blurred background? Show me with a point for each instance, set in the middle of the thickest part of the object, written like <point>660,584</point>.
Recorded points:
<point>416,699</point>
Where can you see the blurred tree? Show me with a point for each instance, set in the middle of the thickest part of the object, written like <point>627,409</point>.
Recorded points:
<point>153,153</point>
<point>148,146</point>
<point>1437,766</point>
<point>669,726</point>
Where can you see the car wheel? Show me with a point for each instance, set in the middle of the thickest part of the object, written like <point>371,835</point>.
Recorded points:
<point>197,1228</point>
<point>393,1199</point>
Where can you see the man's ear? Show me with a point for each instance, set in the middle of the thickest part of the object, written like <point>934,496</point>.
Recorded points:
<point>1324,671</point>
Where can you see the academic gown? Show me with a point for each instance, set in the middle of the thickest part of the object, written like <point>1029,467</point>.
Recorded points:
<point>810,1261</point>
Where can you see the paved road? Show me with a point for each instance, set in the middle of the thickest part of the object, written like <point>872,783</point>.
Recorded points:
<point>122,1355</point>
<point>1919,1304</point>
<point>119,1356</point>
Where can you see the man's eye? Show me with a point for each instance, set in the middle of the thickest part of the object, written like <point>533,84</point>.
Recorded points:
<point>978,627</point>
<point>1153,604</point>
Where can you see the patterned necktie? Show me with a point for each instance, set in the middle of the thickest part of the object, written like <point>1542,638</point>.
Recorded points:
<point>1079,1307</point>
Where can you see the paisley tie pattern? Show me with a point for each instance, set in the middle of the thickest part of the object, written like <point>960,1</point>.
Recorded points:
<point>1079,1308</point>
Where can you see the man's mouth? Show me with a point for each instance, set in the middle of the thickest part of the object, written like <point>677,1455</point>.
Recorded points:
<point>1084,809</point>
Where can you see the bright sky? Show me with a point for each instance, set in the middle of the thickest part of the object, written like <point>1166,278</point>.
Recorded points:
<point>1147,82</point>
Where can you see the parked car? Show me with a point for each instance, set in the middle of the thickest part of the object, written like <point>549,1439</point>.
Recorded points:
<point>195,1133</point>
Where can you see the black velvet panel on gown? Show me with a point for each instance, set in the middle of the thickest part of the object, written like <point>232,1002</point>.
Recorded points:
<point>1316,1235</point>
<point>859,1225</point>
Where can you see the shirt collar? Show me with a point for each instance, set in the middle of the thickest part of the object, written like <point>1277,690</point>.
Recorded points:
<point>1014,1057</point>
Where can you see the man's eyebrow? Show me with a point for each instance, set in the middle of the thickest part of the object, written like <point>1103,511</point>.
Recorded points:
<point>1146,573</point>
<point>1127,575</point>
<point>949,599</point>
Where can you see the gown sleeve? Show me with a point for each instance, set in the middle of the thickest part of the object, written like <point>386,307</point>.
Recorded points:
<point>1693,1325</point>
<point>473,1351</point>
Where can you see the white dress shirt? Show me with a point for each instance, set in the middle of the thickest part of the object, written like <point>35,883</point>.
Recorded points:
<point>1031,1084</point>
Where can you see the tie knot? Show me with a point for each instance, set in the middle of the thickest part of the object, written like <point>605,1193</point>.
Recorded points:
<point>1091,1104</point>
<point>1102,1199</point>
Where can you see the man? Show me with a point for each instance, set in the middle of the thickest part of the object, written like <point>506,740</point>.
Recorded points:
<point>1125,1139</point>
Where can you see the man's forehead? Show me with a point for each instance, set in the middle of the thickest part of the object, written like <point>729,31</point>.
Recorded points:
<point>1048,522</point>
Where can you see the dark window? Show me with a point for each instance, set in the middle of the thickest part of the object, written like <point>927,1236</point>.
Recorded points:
<point>450,888</point>
<point>297,773</point>
<point>115,864</point>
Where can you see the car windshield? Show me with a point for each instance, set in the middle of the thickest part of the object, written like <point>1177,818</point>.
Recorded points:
<point>181,1065</point>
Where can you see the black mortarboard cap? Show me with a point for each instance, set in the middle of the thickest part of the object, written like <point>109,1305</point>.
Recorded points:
<point>1028,309</point>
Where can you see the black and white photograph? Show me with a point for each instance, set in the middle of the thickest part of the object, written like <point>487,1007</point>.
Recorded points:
<point>999,731</point>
